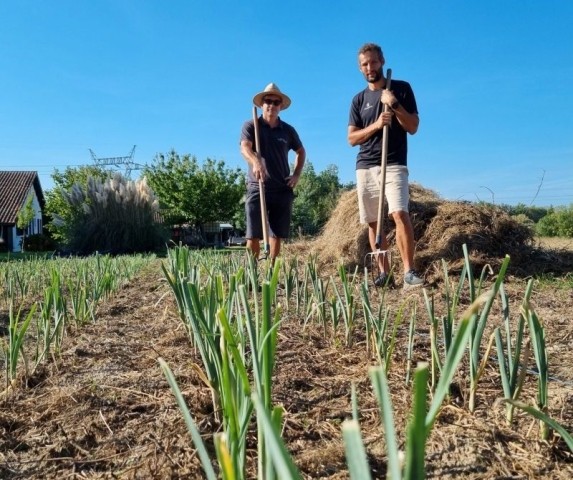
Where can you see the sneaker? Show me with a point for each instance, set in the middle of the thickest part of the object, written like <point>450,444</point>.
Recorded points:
<point>412,279</point>
<point>384,280</point>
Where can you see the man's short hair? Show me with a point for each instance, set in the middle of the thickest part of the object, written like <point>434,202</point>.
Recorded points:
<point>371,47</point>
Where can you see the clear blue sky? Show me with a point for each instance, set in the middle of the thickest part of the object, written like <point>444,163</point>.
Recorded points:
<point>492,81</point>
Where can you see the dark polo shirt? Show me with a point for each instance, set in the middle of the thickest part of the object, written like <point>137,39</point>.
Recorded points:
<point>365,110</point>
<point>275,145</point>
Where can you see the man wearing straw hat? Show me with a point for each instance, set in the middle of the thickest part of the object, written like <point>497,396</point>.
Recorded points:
<point>367,119</point>
<point>270,166</point>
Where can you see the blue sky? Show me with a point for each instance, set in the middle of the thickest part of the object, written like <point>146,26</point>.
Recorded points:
<point>492,80</point>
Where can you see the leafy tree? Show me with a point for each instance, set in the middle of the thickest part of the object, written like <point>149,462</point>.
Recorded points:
<point>316,197</point>
<point>558,223</point>
<point>57,207</point>
<point>25,215</point>
<point>193,193</point>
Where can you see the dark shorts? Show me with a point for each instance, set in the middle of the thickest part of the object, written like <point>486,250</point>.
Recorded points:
<point>279,208</point>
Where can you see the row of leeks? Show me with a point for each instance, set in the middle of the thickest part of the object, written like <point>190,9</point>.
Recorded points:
<point>70,290</point>
<point>224,313</point>
<point>236,339</point>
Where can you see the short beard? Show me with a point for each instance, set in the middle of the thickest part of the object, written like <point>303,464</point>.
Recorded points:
<point>377,77</point>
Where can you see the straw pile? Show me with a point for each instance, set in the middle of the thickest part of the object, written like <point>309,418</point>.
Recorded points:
<point>441,228</point>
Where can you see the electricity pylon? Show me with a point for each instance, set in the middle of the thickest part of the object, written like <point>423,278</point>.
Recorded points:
<point>118,162</point>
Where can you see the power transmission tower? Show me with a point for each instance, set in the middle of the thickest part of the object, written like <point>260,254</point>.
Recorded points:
<point>118,162</point>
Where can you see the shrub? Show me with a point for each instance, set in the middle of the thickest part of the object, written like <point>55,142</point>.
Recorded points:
<point>558,223</point>
<point>39,242</point>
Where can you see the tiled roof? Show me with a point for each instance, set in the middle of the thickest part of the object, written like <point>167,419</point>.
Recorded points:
<point>14,188</point>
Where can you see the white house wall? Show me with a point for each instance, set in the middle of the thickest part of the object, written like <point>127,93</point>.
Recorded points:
<point>16,239</point>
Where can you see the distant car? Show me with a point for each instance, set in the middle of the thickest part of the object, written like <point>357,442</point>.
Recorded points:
<point>236,241</point>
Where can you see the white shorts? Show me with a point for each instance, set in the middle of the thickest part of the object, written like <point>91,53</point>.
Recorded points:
<point>368,187</point>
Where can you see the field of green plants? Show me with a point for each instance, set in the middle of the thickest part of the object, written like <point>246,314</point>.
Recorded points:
<point>209,365</point>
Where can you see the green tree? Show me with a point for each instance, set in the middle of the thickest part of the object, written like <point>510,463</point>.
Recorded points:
<point>316,197</point>
<point>61,212</point>
<point>25,215</point>
<point>193,193</point>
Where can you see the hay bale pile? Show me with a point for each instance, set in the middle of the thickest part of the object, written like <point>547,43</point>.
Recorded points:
<point>343,237</point>
<point>441,228</point>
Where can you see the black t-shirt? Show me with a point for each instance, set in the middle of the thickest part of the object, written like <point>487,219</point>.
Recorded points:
<point>365,110</point>
<point>275,145</point>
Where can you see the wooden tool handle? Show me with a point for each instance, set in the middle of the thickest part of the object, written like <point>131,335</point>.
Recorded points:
<point>261,186</point>
<point>383,169</point>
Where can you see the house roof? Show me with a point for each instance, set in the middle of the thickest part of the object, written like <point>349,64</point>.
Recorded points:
<point>14,188</point>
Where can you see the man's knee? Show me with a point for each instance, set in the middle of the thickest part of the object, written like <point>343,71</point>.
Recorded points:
<point>401,216</point>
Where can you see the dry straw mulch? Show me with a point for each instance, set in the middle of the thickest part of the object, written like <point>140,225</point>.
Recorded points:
<point>441,227</point>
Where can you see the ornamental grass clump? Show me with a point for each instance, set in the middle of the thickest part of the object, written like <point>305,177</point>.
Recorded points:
<point>116,216</point>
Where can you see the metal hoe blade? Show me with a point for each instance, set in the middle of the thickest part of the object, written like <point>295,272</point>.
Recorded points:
<point>372,261</point>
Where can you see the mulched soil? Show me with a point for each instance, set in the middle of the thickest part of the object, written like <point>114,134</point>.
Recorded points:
<point>103,409</point>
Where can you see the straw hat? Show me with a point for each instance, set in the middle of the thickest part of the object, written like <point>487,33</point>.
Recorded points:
<point>271,89</point>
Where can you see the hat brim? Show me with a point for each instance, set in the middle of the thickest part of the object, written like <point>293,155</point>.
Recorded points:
<point>258,99</point>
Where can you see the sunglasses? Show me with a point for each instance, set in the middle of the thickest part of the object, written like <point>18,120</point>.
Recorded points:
<point>269,101</point>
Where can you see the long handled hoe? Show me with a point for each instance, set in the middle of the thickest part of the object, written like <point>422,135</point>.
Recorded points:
<point>264,213</point>
<point>374,257</point>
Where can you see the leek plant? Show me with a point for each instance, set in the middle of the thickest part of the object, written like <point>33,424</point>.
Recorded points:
<point>436,363</point>
<point>290,279</point>
<point>221,322</point>
<point>368,313</point>
<point>51,324</point>
<point>356,459</point>
<point>509,353</point>
<point>191,425</point>
<point>347,302</point>
<point>537,333</point>
<point>81,305</point>
<point>262,334</point>
<point>198,307</point>
<point>17,329</point>
<point>335,313</point>
<point>544,418</point>
<point>319,303</point>
<point>447,321</point>
<point>277,452</point>
<point>234,393</point>
<point>222,352</point>
<point>475,365</point>
<point>386,339</point>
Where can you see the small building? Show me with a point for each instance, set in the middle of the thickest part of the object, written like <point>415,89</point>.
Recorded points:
<point>217,233</point>
<point>15,187</point>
